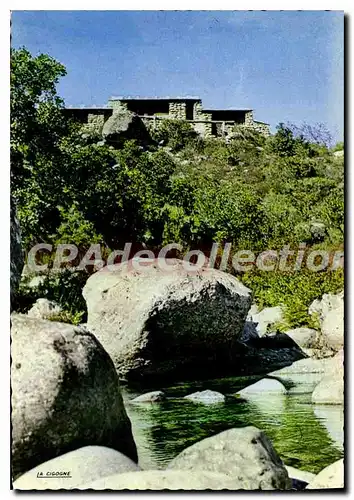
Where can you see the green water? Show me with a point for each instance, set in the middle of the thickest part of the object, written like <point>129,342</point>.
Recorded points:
<point>305,436</point>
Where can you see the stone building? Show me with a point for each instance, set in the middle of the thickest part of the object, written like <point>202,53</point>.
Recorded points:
<point>207,122</point>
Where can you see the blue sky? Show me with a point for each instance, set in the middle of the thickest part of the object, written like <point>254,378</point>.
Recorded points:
<point>287,66</point>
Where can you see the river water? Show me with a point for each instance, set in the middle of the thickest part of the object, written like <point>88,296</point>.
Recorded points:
<point>306,436</point>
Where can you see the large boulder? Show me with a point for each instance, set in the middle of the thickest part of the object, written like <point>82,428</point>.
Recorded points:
<point>333,327</point>
<point>123,125</point>
<point>44,309</point>
<point>264,386</point>
<point>330,311</point>
<point>76,467</point>
<point>65,394</point>
<point>16,253</point>
<point>163,322</point>
<point>304,337</point>
<point>307,365</point>
<point>206,397</point>
<point>244,454</point>
<point>332,477</point>
<point>165,480</point>
<point>330,390</point>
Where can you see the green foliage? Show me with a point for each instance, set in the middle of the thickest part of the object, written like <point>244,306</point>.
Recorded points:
<point>176,134</point>
<point>255,192</point>
<point>338,147</point>
<point>295,290</point>
<point>64,287</point>
<point>68,317</point>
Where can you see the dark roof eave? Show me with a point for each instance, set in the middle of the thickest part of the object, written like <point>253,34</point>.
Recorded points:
<point>227,110</point>
<point>125,99</point>
<point>263,123</point>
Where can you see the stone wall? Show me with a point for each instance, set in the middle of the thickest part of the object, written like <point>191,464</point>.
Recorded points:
<point>118,104</point>
<point>263,128</point>
<point>177,110</point>
<point>204,129</point>
<point>249,118</point>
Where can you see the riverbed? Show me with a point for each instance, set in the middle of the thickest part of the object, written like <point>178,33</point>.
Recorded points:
<point>306,436</point>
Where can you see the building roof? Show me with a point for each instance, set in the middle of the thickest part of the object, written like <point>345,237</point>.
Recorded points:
<point>154,98</point>
<point>210,110</point>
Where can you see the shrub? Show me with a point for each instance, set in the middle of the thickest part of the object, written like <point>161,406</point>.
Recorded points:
<point>176,134</point>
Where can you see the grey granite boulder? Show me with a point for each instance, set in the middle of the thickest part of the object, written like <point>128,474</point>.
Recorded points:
<point>161,319</point>
<point>65,394</point>
<point>206,397</point>
<point>304,337</point>
<point>266,318</point>
<point>80,466</point>
<point>330,310</point>
<point>123,125</point>
<point>16,252</point>
<point>332,477</point>
<point>165,480</point>
<point>149,397</point>
<point>264,386</point>
<point>246,455</point>
<point>330,390</point>
<point>44,309</point>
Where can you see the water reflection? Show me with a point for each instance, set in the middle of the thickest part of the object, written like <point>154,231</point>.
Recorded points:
<point>305,436</point>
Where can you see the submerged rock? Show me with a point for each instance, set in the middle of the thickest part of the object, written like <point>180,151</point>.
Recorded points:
<point>206,397</point>
<point>244,454</point>
<point>264,386</point>
<point>149,397</point>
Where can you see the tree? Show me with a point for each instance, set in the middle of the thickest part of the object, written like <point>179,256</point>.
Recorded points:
<point>37,126</point>
<point>37,123</point>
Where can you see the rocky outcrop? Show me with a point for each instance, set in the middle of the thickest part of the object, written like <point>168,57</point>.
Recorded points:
<point>206,397</point>
<point>85,464</point>
<point>167,322</point>
<point>244,454</point>
<point>330,390</point>
<point>44,309</point>
<point>264,386</point>
<point>16,253</point>
<point>149,397</point>
<point>262,355</point>
<point>266,318</point>
<point>304,337</point>
<point>330,310</point>
<point>123,125</point>
<point>165,480</point>
<point>65,394</point>
<point>332,477</point>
